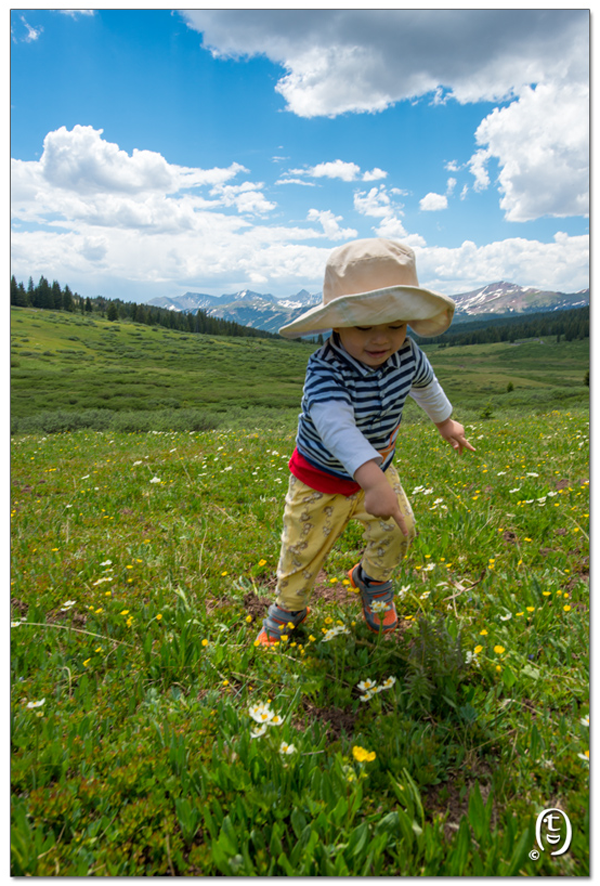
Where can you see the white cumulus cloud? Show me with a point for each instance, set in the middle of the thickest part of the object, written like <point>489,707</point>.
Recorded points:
<point>560,265</point>
<point>541,144</point>
<point>331,228</point>
<point>433,202</point>
<point>344,60</point>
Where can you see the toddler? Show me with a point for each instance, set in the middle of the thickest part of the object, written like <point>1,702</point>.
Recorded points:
<point>354,393</point>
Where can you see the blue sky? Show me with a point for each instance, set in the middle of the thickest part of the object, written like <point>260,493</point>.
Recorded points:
<point>156,152</point>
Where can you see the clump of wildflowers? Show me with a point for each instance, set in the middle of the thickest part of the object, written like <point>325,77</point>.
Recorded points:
<point>334,632</point>
<point>363,756</point>
<point>369,688</point>
<point>263,714</point>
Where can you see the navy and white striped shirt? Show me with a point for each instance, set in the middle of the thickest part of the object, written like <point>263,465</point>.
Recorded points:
<point>377,396</point>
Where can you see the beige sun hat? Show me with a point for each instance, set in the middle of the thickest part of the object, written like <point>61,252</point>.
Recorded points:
<point>374,281</point>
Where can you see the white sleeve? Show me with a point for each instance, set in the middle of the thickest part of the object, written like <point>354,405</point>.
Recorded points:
<point>337,429</point>
<point>433,401</point>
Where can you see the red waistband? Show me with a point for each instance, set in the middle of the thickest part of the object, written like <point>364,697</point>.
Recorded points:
<point>319,480</point>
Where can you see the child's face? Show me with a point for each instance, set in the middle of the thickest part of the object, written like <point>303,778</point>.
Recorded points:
<point>373,345</point>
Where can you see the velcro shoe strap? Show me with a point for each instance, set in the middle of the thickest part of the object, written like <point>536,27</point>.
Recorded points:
<point>277,619</point>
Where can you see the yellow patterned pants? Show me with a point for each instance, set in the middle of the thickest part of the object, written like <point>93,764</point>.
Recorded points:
<point>312,523</point>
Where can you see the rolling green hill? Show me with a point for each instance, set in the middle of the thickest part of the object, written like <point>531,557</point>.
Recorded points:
<point>72,371</point>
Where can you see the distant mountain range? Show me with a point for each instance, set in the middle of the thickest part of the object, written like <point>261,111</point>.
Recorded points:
<point>261,311</point>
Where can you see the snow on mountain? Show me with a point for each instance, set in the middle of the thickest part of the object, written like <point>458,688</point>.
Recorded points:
<point>508,298</point>
<point>264,311</point>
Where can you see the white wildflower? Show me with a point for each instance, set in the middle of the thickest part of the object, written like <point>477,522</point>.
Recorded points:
<point>366,685</point>
<point>256,733</point>
<point>36,704</point>
<point>286,749</point>
<point>585,721</point>
<point>532,474</point>
<point>260,712</point>
<point>388,683</point>
<point>155,480</point>
<point>506,617</point>
<point>334,632</point>
<point>516,489</point>
<point>106,563</point>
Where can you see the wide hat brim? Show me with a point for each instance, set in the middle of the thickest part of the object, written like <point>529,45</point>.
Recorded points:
<point>426,312</point>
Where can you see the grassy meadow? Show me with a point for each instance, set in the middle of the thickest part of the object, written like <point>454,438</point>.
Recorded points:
<point>143,560</point>
<point>71,371</point>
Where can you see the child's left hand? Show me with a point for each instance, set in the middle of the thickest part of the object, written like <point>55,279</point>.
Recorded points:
<point>454,433</point>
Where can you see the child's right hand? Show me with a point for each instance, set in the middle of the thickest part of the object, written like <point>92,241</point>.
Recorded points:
<point>382,502</point>
<point>380,498</point>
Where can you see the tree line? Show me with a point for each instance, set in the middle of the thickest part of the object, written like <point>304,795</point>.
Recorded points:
<point>53,297</point>
<point>564,325</point>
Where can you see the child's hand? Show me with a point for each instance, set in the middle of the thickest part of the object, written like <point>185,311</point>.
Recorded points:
<point>382,502</point>
<point>380,498</point>
<point>454,433</point>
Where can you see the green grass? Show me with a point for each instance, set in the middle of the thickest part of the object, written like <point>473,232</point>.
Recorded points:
<point>70,371</point>
<point>64,363</point>
<point>142,564</point>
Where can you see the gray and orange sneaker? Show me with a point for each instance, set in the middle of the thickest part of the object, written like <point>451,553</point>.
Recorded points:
<point>379,609</point>
<point>278,623</point>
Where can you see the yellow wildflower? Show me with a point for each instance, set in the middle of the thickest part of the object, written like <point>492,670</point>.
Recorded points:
<point>361,755</point>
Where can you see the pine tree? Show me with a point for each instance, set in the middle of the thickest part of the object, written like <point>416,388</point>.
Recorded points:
<point>56,293</point>
<point>67,300</point>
